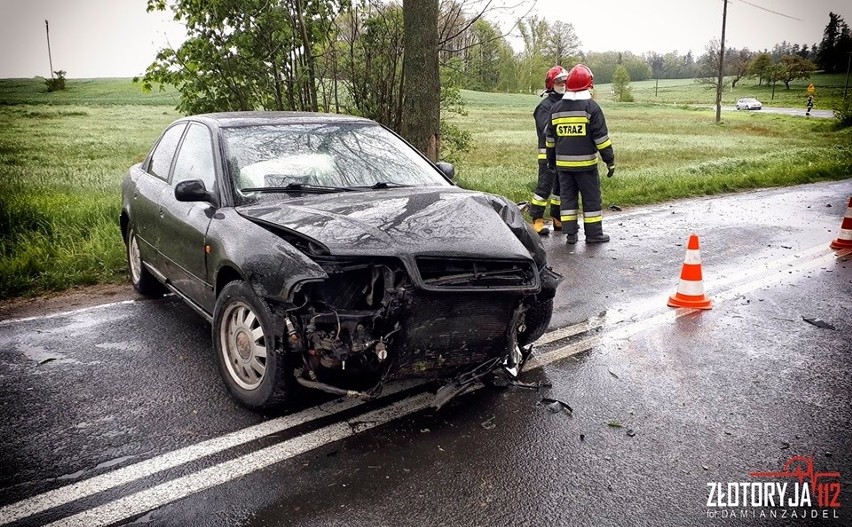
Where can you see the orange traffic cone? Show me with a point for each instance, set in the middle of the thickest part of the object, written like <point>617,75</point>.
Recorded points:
<point>690,290</point>
<point>844,241</point>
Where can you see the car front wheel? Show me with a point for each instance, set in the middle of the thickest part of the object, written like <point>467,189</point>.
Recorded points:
<point>249,348</point>
<point>537,320</point>
<point>142,279</point>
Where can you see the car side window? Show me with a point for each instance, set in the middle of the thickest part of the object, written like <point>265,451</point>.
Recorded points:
<point>195,158</point>
<point>163,154</point>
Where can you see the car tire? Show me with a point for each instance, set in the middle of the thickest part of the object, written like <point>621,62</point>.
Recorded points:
<point>142,280</point>
<point>249,347</point>
<point>537,319</point>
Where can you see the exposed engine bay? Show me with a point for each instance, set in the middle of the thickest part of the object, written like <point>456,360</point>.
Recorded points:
<point>370,322</point>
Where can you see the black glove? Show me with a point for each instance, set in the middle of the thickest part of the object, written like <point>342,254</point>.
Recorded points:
<point>611,170</point>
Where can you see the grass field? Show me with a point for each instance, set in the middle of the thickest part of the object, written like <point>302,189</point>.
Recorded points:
<point>63,155</point>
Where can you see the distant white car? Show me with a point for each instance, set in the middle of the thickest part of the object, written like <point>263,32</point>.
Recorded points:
<point>749,103</point>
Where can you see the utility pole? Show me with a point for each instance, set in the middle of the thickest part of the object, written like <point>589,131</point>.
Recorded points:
<point>848,63</point>
<point>49,57</point>
<point>721,65</point>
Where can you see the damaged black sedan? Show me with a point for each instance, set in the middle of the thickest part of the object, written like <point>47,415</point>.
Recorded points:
<point>328,253</point>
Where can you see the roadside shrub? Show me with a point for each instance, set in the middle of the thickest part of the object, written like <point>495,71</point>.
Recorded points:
<point>843,113</point>
<point>57,83</point>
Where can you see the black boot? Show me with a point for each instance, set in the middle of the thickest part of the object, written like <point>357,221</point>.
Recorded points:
<point>598,238</point>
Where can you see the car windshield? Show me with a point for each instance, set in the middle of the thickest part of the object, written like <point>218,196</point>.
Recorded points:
<point>319,157</point>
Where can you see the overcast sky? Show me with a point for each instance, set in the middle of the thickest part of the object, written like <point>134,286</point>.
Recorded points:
<point>117,38</point>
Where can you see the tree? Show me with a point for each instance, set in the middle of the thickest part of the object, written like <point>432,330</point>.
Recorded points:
<point>836,42</point>
<point>738,64</point>
<point>759,66</point>
<point>245,54</point>
<point>561,44</point>
<point>794,67</point>
<point>533,63</point>
<point>774,73</point>
<point>372,37</point>
<point>421,108</point>
<point>621,90</point>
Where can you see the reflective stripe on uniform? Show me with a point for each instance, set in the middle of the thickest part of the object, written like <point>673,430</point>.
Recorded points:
<point>570,120</point>
<point>555,200</point>
<point>542,153</point>
<point>594,216</point>
<point>577,161</point>
<point>569,215</point>
<point>603,142</point>
<point>576,113</point>
<point>549,142</point>
<point>538,200</point>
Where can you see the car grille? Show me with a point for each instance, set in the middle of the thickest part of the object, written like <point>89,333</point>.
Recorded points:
<point>443,333</point>
<point>455,274</point>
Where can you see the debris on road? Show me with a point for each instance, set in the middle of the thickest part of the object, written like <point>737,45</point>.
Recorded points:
<point>818,322</point>
<point>488,424</point>
<point>555,406</point>
<point>614,207</point>
<point>614,424</point>
<point>630,432</point>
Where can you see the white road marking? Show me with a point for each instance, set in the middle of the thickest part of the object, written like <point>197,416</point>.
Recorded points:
<point>170,491</point>
<point>143,469</point>
<point>179,488</point>
<point>64,313</point>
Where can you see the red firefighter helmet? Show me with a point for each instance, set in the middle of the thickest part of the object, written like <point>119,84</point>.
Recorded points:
<point>579,78</point>
<point>553,74</point>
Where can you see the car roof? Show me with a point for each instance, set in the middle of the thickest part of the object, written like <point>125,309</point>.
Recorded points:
<point>231,119</point>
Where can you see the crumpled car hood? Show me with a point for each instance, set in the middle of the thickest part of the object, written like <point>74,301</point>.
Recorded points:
<point>420,221</point>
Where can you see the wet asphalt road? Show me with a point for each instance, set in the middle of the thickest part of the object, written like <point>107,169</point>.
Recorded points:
<point>664,401</point>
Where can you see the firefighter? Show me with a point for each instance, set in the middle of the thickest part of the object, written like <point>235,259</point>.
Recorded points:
<point>548,183</point>
<point>576,136</point>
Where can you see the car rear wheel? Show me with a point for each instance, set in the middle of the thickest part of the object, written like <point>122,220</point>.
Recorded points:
<point>142,279</point>
<point>249,348</point>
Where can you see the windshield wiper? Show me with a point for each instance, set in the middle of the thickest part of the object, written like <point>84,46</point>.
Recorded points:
<point>383,184</point>
<point>299,187</point>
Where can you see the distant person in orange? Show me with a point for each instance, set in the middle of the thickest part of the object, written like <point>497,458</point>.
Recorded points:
<point>810,104</point>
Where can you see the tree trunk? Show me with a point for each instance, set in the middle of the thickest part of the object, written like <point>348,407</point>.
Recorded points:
<point>421,109</point>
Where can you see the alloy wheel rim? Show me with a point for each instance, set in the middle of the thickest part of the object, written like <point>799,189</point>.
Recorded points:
<point>243,345</point>
<point>135,260</point>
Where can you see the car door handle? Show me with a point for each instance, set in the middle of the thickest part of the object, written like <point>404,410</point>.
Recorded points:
<point>162,212</point>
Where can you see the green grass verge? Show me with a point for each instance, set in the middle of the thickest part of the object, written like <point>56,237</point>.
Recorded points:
<point>63,155</point>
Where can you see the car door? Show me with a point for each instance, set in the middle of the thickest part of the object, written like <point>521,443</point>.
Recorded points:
<point>183,225</point>
<point>145,207</point>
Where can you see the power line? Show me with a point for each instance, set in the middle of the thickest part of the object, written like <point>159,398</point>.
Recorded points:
<point>771,11</point>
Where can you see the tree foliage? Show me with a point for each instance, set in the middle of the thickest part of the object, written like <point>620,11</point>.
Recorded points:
<point>795,67</point>
<point>836,43</point>
<point>371,54</point>
<point>759,67</point>
<point>245,54</point>
<point>621,90</point>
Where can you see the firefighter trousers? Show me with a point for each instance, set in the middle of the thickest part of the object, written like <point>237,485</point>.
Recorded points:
<point>547,190</point>
<point>586,184</point>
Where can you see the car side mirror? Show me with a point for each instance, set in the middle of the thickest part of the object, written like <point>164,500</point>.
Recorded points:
<point>447,169</point>
<point>192,190</point>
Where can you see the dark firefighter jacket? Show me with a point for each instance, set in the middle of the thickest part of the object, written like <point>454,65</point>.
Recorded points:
<point>542,119</point>
<point>576,134</point>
